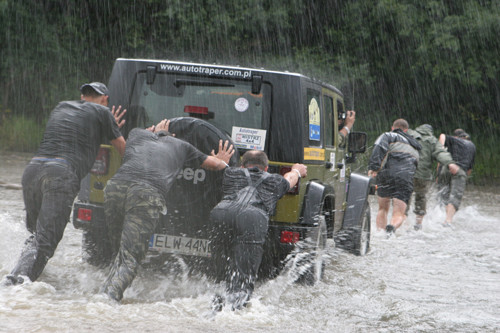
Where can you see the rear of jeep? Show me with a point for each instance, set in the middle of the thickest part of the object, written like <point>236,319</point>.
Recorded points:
<point>293,118</point>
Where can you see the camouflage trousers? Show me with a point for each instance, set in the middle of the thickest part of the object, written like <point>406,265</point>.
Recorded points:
<point>451,187</point>
<point>420,188</point>
<point>132,213</point>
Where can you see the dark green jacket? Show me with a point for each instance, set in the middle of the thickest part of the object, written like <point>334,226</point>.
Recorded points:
<point>431,151</point>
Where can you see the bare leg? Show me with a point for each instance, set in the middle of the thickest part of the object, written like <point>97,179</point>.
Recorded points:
<point>450,212</point>
<point>398,212</point>
<point>383,210</point>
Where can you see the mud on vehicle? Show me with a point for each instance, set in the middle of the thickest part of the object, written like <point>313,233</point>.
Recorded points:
<point>293,118</point>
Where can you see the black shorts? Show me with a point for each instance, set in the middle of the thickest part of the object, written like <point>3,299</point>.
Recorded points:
<point>389,186</point>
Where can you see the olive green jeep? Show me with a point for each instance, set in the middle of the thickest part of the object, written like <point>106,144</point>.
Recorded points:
<point>291,117</point>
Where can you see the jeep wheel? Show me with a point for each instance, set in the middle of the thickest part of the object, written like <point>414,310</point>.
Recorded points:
<point>312,254</point>
<point>356,240</point>
<point>96,247</point>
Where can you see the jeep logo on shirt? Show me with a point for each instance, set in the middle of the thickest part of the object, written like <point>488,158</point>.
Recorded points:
<point>197,175</point>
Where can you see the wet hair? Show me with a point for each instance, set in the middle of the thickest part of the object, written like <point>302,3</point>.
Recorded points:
<point>401,124</point>
<point>458,131</point>
<point>254,158</point>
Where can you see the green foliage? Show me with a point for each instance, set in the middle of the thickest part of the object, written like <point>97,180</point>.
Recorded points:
<point>426,61</point>
<point>20,134</point>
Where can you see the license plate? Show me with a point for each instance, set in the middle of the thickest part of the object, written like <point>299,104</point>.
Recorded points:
<point>180,245</point>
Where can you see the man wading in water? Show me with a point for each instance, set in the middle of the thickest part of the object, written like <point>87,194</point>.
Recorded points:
<point>51,181</point>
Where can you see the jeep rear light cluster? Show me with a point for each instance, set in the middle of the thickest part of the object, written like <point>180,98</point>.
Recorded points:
<point>101,163</point>
<point>84,214</point>
<point>290,237</point>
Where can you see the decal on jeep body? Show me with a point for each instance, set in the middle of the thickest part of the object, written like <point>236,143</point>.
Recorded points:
<point>211,71</point>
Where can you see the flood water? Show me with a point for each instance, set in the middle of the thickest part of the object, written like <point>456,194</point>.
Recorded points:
<point>438,280</point>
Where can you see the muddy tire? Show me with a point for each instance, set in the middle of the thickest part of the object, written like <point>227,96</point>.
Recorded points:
<point>356,240</point>
<point>96,247</point>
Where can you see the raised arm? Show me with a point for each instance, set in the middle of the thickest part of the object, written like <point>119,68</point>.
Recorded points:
<point>220,160</point>
<point>298,171</point>
<point>118,113</point>
<point>442,138</point>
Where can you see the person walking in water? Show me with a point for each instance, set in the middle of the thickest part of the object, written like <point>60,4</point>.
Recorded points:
<point>432,150</point>
<point>452,186</point>
<point>393,162</point>
<point>51,181</point>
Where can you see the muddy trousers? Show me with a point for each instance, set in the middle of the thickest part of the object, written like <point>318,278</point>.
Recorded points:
<point>49,189</point>
<point>451,187</point>
<point>238,239</point>
<point>132,211</point>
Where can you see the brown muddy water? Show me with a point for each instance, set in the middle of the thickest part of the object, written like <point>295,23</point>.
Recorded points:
<point>435,280</point>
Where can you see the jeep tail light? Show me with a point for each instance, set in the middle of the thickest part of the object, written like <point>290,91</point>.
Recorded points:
<point>290,237</point>
<point>283,171</point>
<point>84,214</point>
<point>196,109</point>
<point>101,163</point>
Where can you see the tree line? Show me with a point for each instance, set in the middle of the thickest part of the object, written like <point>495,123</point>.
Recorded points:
<point>430,62</point>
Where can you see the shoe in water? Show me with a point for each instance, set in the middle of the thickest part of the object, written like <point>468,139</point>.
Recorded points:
<point>12,280</point>
<point>238,300</point>
<point>447,225</point>
<point>417,226</point>
<point>218,302</point>
<point>390,229</point>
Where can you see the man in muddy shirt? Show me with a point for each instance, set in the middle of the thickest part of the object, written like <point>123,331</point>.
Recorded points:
<point>135,196</point>
<point>51,180</point>
<point>393,161</point>
<point>452,186</point>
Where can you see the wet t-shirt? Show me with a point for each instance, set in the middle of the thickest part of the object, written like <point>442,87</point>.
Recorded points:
<point>270,191</point>
<point>157,160</point>
<point>463,151</point>
<point>75,130</point>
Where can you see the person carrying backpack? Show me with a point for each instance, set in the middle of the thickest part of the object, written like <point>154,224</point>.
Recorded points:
<point>240,222</point>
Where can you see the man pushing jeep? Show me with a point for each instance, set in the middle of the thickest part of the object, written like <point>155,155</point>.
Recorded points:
<point>240,222</point>
<point>135,196</point>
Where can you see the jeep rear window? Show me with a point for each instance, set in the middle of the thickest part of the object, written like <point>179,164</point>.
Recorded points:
<point>223,102</point>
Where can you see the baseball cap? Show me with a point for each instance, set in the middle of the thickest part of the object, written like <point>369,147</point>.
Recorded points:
<point>98,87</point>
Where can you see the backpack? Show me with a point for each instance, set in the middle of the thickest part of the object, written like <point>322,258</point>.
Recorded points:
<point>248,196</point>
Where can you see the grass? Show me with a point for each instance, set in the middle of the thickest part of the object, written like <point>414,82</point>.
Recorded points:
<point>20,134</point>
<point>24,134</point>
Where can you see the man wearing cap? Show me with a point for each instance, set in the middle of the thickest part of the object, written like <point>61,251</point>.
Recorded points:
<point>452,187</point>
<point>51,181</point>
<point>432,150</point>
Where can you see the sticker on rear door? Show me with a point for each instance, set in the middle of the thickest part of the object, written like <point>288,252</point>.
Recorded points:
<point>314,120</point>
<point>249,138</point>
<point>241,104</point>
